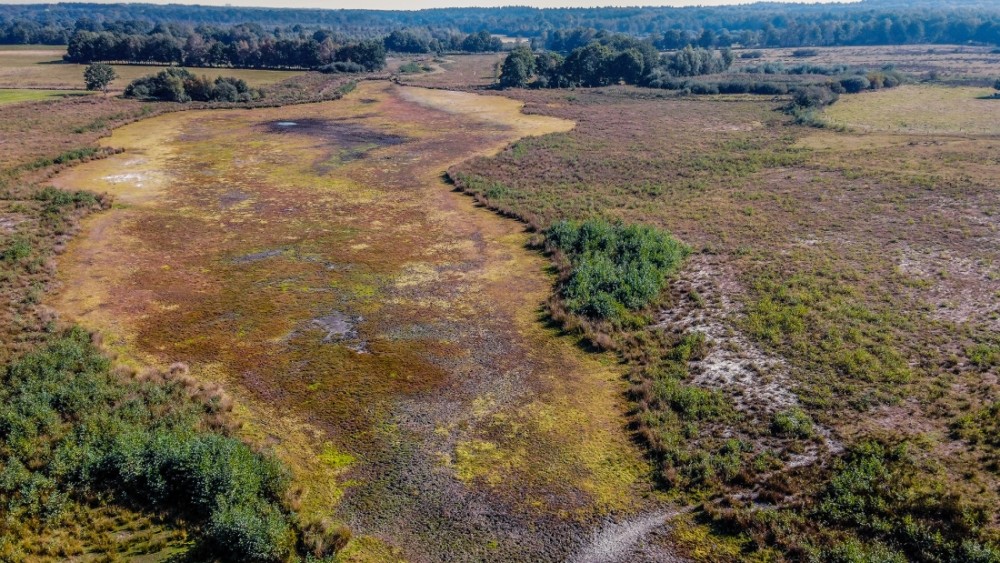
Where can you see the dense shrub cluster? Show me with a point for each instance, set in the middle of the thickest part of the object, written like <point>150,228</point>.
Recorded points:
<point>738,86</point>
<point>614,269</point>
<point>612,60</point>
<point>72,430</point>
<point>179,85</point>
<point>339,67</point>
<point>781,68</point>
<point>879,503</point>
<point>876,493</point>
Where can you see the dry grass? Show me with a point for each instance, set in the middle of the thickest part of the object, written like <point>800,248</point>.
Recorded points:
<point>856,271</point>
<point>920,109</point>
<point>44,69</point>
<point>957,63</point>
<point>460,71</point>
<point>18,96</point>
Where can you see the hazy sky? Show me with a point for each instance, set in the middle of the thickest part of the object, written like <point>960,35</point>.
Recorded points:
<point>418,4</point>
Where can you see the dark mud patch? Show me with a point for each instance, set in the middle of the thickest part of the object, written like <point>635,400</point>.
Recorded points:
<point>232,198</point>
<point>348,140</point>
<point>345,134</point>
<point>258,256</point>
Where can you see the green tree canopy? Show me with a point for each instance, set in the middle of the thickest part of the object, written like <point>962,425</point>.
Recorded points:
<point>98,76</point>
<point>518,68</point>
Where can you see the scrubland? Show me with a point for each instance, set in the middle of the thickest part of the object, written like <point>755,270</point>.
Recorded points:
<point>830,335</point>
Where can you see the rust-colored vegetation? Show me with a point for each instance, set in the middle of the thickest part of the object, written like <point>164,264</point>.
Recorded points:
<point>381,333</point>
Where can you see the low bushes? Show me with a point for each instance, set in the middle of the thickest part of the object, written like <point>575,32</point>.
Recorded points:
<point>71,430</point>
<point>342,67</point>
<point>179,85</point>
<point>876,492</point>
<point>613,269</point>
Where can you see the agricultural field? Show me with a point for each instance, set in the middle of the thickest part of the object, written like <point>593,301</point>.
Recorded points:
<point>42,68</point>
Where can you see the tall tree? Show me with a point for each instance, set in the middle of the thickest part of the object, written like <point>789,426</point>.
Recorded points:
<point>518,68</point>
<point>98,76</point>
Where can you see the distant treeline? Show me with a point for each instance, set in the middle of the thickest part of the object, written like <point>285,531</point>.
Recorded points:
<point>869,22</point>
<point>251,46</point>
<point>245,46</point>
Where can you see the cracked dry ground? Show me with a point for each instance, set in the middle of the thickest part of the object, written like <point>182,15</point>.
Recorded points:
<point>382,334</point>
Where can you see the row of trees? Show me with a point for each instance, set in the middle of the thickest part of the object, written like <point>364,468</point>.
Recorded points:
<point>251,46</point>
<point>763,24</point>
<point>616,59</point>
<point>226,51</point>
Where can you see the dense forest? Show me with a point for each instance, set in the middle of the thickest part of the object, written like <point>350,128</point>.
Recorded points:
<point>251,46</point>
<point>247,45</point>
<point>869,22</point>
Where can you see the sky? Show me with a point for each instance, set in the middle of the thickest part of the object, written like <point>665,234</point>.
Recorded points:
<point>420,4</point>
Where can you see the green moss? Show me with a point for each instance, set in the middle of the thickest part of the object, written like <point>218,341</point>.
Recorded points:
<point>335,458</point>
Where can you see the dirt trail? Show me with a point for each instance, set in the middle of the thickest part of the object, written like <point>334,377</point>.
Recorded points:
<point>625,541</point>
<point>380,331</point>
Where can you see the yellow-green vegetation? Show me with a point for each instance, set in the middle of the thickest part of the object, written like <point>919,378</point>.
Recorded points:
<point>43,68</point>
<point>382,333</point>
<point>14,96</point>
<point>919,109</point>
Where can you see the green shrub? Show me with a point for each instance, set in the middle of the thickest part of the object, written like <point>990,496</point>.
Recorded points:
<point>983,356</point>
<point>70,430</point>
<point>17,249</point>
<point>614,268</point>
<point>814,97</point>
<point>804,53</point>
<point>879,492</point>
<point>854,551</point>
<point>179,85</point>
<point>855,84</point>
<point>341,67</point>
<point>792,422</point>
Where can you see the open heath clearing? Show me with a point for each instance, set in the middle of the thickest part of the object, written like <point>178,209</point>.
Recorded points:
<point>383,333</point>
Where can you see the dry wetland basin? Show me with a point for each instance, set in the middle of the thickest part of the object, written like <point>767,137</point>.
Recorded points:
<point>382,334</point>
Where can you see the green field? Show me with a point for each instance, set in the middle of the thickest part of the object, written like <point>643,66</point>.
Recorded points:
<point>14,96</point>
